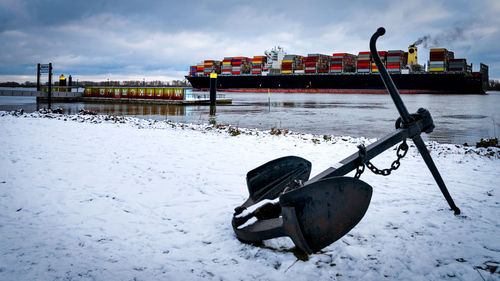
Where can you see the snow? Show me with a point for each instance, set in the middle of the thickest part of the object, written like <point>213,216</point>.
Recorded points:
<point>86,197</point>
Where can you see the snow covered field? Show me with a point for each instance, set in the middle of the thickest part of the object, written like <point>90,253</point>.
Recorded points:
<point>110,198</point>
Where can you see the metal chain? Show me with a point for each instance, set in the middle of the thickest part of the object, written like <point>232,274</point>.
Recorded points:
<point>360,166</point>
<point>400,153</point>
<point>359,170</point>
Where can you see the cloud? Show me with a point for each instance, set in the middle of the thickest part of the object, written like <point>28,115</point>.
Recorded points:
<point>162,39</point>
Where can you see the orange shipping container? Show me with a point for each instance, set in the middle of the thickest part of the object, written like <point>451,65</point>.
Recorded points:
<point>150,93</point>
<point>124,93</point>
<point>132,93</point>
<point>168,93</point>
<point>116,93</point>
<point>178,93</point>
<point>158,93</point>
<point>102,92</point>
<point>95,92</point>
<point>141,93</point>
<point>88,92</point>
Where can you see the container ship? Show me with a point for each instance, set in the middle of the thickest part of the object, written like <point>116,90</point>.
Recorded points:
<point>278,71</point>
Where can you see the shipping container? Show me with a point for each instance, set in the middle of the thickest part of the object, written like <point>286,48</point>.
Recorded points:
<point>439,59</point>
<point>124,93</point>
<point>141,93</point>
<point>132,92</point>
<point>363,62</point>
<point>178,94</point>
<point>316,63</point>
<point>192,70</point>
<point>395,60</point>
<point>290,63</point>
<point>150,93</point>
<point>342,62</point>
<point>437,66</point>
<point>116,92</point>
<point>383,57</point>
<point>211,66</point>
<point>87,92</point>
<point>146,93</point>
<point>200,69</point>
<point>239,65</point>
<point>459,65</point>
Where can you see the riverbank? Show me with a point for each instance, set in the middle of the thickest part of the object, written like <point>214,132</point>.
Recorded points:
<point>117,198</point>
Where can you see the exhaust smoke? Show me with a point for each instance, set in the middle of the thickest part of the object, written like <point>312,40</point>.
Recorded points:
<point>448,36</point>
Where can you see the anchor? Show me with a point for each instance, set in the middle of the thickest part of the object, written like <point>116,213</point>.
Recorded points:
<point>316,212</point>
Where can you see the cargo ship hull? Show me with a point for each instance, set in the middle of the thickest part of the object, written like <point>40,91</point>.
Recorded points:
<point>370,83</point>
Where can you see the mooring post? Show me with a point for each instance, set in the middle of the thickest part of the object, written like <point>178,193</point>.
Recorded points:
<point>50,86</point>
<point>213,89</point>
<point>38,78</point>
<point>213,93</point>
<point>269,98</point>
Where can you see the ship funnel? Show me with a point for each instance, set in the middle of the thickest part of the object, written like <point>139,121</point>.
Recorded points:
<point>412,55</point>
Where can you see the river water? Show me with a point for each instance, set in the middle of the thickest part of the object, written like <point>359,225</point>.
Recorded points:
<point>458,118</point>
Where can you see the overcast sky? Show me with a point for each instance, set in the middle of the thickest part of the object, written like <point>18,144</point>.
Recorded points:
<point>159,40</point>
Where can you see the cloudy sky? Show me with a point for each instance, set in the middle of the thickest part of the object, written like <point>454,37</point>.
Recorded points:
<point>159,40</point>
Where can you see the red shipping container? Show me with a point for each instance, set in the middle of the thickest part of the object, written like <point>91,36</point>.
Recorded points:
<point>132,92</point>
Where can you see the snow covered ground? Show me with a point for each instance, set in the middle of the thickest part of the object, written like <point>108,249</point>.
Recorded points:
<point>87,197</point>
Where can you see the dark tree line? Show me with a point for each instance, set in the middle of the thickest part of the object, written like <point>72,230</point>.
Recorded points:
<point>494,85</point>
<point>135,83</point>
<point>131,83</point>
<point>15,84</point>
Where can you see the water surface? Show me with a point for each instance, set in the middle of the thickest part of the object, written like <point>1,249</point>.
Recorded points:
<point>458,118</point>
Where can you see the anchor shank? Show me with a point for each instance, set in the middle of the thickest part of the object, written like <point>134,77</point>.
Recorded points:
<point>348,164</point>
<point>419,143</point>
